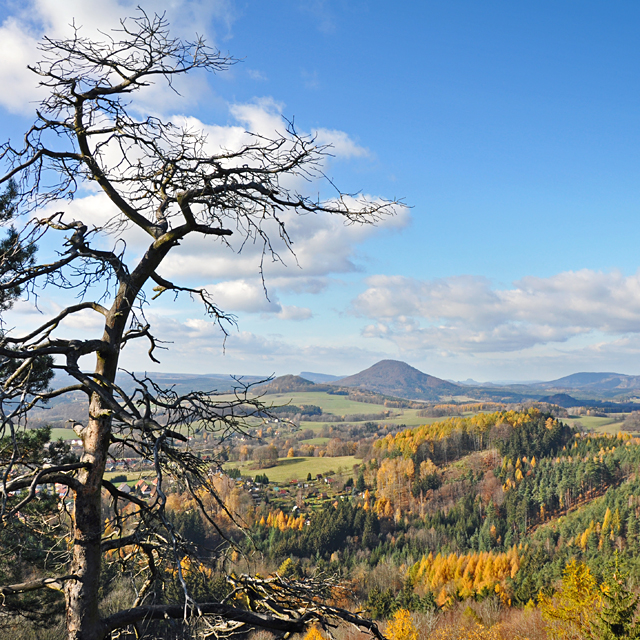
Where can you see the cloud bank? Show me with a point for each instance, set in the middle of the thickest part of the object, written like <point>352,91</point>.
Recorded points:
<point>467,314</point>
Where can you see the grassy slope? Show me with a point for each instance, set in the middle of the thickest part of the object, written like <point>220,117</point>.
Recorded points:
<point>298,468</point>
<point>315,441</point>
<point>338,405</point>
<point>65,434</point>
<point>600,425</point>
<point>132,476</point>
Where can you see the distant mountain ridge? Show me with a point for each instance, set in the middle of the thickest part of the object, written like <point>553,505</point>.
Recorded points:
<point>398,379</point>
<point>180,382</point>
<point>395,378</point>
<point>319,377</point>
<point>594,381</point>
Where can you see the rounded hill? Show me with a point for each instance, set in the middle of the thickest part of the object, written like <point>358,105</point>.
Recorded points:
<point>288,384</point>
<point>396,378</point>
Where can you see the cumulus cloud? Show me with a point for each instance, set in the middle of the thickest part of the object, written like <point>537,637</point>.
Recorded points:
<point>20,33</point>
<point>465,313</point>
<point>198,347</point>
<point>242,295</point>
<point>341,144</point>
<point>17,50</point>
<point>292,312</point>
<point>323,245</point>
<point>264,116</point>
<point>249,297</point>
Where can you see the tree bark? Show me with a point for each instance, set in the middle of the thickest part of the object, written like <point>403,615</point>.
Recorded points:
<point>82,594</point>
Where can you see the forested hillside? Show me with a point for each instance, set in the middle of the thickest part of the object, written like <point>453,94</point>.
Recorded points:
<point>491,507</point>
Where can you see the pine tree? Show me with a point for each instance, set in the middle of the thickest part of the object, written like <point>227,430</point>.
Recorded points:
<point>632,533</point>
<point>619,605</point>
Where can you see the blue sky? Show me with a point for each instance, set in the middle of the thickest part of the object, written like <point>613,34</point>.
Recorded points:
<point>512,131</point>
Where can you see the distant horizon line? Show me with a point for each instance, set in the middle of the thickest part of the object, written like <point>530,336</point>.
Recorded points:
<point>466,382</point>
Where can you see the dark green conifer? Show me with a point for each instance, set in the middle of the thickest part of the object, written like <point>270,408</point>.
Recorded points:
<point>617,618</point>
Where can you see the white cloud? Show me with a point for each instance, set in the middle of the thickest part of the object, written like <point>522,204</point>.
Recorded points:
<point>20,32</point>
<point>465,313</point>
<point>342,146</point>
<point>295,313</point>
<point>264,116</point>
<point>197,346</point>
<point>256,74</point>
<point>235,296</point>
<point>17,50</point>
<point>323,245</point>
<point>242,295</point>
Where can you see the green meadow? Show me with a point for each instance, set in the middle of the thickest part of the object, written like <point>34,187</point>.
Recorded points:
<point>297,468</point>
<point>65,434</point>
<point>609,425</point>
<point>337,405</point>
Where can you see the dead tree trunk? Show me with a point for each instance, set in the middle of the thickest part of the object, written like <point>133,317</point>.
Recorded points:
<point>82,594</point>
<point>83,620</point>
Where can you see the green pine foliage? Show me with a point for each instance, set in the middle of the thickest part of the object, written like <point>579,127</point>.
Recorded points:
<point>620,604</point>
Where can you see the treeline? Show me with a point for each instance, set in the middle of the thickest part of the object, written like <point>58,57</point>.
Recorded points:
<point>441,410</point>
<point>341,527</point>
<point>450,439</point>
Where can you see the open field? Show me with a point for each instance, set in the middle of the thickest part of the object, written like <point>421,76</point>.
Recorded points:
<point>65,434</point>
<point>408,417</point>
<point>132,476</point>
<point>338,405</point>
<point>315,441</point>
<point>610,425</point>
<point>297,468</point>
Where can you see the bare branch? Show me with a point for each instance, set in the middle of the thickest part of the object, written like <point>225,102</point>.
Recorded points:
<point>50,475</point>
<point>54,322</point>
<point>283,606</point>
<point>49,583</point>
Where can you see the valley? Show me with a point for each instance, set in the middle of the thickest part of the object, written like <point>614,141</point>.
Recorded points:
<point>433,507</point>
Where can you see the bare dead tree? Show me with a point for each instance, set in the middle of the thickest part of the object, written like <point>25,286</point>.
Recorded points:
<point>165,181</point>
